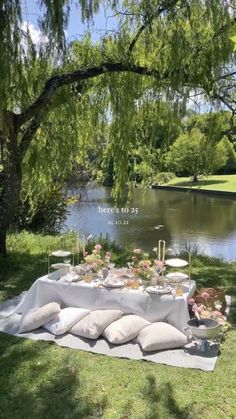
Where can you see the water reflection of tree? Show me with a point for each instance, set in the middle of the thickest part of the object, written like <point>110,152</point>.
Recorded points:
<point>185,216</point>
<point>199,213</point>
<point>180,213</point>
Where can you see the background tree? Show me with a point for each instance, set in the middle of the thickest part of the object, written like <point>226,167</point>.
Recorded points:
<point>154,126</point>
<point>230,166</point>
<point>194,153</point>
<point>166,47</point>
<point>214,125</point>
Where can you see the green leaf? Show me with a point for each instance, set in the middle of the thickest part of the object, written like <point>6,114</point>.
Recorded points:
<point>233,38</point>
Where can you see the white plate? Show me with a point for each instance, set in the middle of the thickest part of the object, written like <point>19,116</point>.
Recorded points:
<point>118,284</point>
<point>176,263</point>
<point>176,276</point>
<point>159,289</point>
<point>61,253</point>
<point>60,265</point>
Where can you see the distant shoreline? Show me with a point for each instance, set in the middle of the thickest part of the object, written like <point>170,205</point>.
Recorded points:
<point>195,190</point>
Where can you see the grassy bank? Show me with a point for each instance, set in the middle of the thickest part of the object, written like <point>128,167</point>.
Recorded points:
<point>223,183</point>
<point>41,380</point>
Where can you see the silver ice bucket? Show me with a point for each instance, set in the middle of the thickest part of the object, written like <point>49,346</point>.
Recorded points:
<point>210,331</point>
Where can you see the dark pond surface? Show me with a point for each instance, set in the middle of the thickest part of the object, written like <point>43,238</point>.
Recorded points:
<point>209,222</point>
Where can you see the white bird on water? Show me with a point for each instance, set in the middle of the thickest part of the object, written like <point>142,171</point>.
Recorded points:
<point>159,227</point>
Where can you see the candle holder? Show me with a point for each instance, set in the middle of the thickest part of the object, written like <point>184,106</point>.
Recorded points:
<point>161,256</point>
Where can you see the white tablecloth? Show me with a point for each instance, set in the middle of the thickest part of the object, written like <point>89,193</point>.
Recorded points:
<point>152,307</point>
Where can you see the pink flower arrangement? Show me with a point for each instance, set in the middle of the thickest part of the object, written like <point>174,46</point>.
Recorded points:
<point>191,301</point>
<point>217,313</point>
<point>97,247</point>
<point>97,259</point>
<point>204,311</point>
<point>159,264</point>
<point>141,265</point>
<point>146,263</point>
<point>205,295</point>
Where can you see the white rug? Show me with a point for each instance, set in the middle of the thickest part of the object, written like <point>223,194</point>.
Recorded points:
<point>188,357</point>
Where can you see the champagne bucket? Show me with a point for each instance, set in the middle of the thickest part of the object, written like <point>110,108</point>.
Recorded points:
<point>210,331</point>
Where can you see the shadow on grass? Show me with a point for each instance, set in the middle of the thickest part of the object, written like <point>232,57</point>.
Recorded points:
<point>162,401</point>
<point>35,383</point>
<point>19,271</point>
<point>200,183</point>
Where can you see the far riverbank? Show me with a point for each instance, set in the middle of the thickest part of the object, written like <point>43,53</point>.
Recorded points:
<point>222,185</point>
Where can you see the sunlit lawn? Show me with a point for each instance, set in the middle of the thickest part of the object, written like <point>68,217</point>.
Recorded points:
<point>42,380</point>
<point>217,183</point>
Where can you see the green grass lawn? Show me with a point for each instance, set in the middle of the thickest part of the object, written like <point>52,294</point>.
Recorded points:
<point>225,183</point>
<point>41,380</point>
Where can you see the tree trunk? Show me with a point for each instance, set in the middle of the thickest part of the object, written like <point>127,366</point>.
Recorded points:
<point>195,179</point>
<point>3,242</point>
<point>10,184</point>
<point>9,201</point>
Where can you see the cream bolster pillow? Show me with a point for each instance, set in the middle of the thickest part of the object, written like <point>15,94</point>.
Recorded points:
<point>37,317</point>
<point>67,318</point>
<point>92,326</point>
<point>125,329</point>
<point>159,336</point>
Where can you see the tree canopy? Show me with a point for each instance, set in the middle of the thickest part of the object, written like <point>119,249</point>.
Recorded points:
<point>57,98</point>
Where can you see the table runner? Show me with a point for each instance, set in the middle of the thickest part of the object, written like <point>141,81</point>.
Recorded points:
<point>151,307</point>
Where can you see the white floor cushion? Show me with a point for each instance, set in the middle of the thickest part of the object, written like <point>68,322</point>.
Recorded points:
<point>67,318</point>
<point>159,336</point>
<point>92,326</point>
<point>125,329</point>
<point>37,317</point>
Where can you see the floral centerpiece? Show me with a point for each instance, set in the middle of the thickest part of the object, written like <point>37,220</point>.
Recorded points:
<point>207,311</point>
<point>143,267</point>
<point>97,259</point>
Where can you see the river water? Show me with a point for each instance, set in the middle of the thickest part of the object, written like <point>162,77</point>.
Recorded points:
<point>193,219</point>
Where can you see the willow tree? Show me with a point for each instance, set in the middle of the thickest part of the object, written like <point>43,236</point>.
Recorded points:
<point>169,48</point>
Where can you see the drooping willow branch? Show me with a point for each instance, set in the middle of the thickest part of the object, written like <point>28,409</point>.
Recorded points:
<point>164,8</point>
<point>55,82</point>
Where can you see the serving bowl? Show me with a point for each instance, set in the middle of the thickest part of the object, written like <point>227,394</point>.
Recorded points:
<point>210,331</point>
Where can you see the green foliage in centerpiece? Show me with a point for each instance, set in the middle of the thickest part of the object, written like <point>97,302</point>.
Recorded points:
<point>143,266</point>
<point>98,258</point>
